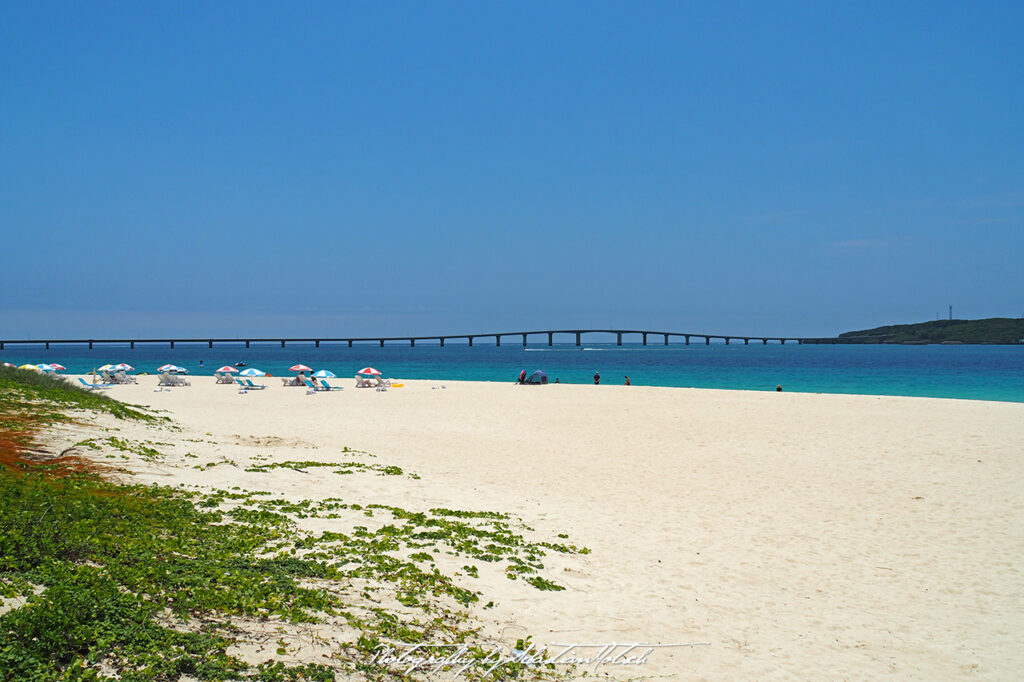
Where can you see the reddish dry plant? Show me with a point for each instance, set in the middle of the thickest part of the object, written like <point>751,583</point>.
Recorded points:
<point>17,443</point>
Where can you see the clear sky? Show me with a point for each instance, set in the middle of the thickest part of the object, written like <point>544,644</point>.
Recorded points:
<point>337,168</point>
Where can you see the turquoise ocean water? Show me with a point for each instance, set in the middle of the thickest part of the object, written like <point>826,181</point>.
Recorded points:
<point>973,372</point>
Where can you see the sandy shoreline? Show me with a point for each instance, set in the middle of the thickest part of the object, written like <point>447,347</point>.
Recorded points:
<point>800,535</point>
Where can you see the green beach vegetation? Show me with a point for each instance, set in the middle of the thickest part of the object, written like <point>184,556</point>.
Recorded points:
<point>103,580</point>
<point>995,330</point>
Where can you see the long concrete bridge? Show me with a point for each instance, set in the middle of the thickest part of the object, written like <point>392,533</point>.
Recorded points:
<point>547,335</point>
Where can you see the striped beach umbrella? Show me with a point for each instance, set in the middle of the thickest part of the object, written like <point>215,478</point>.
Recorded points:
<point>325,374</point>
<point>252,372</point>
<point>300,368</point>
<point>370,371</point>
<point>105,368</point>
<point>45,368</point>
<point>123,367</point>
<point>57,367</point>
<point>227,368</point>
<point>29,367</point>
<point>170,368</point>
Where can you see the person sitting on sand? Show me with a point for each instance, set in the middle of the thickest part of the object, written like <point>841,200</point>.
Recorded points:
<point>627,380</point>
<point>312,380</point>
<point>522,376</point>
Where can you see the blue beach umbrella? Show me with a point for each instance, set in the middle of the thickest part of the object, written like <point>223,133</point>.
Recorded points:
<point>325,374</point>
<point>252,372</point>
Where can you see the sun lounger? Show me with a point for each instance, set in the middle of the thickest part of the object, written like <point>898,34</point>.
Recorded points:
<point>224,378</point>
<point>363,383</point>
<point>328,387</point>
<point>311,387</point>
<point>123,378</point>
<point>166,380</point>
<point>92,387</point>
<point>251,386</point>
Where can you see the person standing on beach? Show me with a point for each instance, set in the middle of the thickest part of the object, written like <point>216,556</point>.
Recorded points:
<point>597,378</point>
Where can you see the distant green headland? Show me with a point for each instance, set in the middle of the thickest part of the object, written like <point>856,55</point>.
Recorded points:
<point>1000,330</point>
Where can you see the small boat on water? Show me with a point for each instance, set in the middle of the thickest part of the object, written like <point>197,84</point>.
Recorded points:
<point>239,364</point>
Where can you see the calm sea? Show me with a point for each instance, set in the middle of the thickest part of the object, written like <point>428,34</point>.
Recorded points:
<point>974,372</point>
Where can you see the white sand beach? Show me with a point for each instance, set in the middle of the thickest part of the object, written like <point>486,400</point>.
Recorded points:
<point>787,535</point>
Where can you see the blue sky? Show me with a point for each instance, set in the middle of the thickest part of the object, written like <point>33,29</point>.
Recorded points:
<point>414,168</point>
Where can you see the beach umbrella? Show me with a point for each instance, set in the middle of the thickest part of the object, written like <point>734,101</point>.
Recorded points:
<point>105,368</point>
<point>227,368</point>
<point>300,368</point>
<point>325,374</point>
<point>29,367</point>
<point>252,372</point>
<point>7,364</point>
<point>57,367</point>
<point>170,368</point>
<point>123,367</point>
<point>369,370</point>
<point>45,368</point>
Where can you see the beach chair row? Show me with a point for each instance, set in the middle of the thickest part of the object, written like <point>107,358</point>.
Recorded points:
<point>372,382</point>
<point>173,380</point>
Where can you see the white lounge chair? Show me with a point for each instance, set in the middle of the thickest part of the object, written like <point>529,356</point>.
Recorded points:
<point>224,378</point>
<point>362,382</point>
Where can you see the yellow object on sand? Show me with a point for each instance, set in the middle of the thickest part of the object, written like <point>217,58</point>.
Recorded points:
<point>397,385</point>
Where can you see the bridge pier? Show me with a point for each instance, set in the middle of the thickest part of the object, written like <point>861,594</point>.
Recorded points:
<point>131,345</point>
<point>209,344</point>
<point>442,342</point>
<point>172,344</point>
<point>246,344</point>
<point>282,343</point>
<point>746,342</point>
<point>727,340</point>
<point>707,340</point>
<point>497,340</point>
<point>316,343</point>
<point>412,343</point>
<point>666,339</point>
<point>765,341</point>
<point>645,338</point>
<point>382,343</point>
<point>577,338</point>
<point>687,339</point>
<point>551,339</point>
<point>782,341</point>
<point>618,339</point>
<point>47,345</point>
<point>90,345</point>
<point>350,343</point>
<point>470,341</point>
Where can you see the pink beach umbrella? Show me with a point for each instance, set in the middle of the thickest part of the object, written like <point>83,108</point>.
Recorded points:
<point>227,368</point>
<point>369,370</point>
<point>123,367</point>
<point>300,368</point>
<point>57,367</point>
